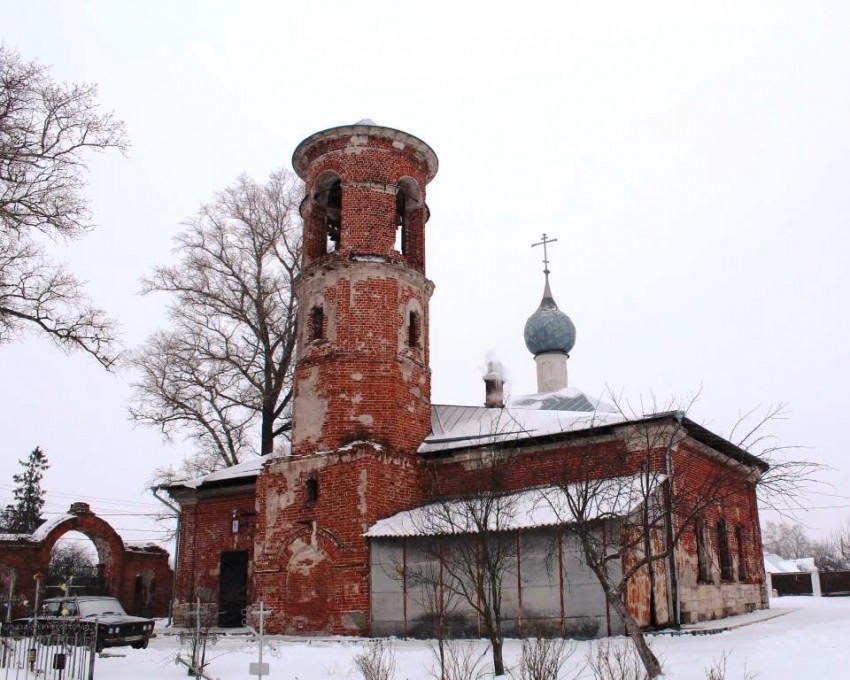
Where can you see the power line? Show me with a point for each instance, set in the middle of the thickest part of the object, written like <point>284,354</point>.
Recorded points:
<point>102,499</point>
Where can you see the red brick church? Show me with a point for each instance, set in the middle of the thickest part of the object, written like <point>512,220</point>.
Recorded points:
<point>327,535</point>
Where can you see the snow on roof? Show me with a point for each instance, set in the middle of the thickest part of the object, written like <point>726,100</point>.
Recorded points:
<point>15,537</point>
<point>143,546</point>
<point>455,427</point>
<point>565,399</point>
<point>41,533</point>
<point>774,564</point>
<point>527,509</point>
<point>247,468</point>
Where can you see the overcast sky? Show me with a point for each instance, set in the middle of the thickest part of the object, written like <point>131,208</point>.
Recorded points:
<point>692,159</point>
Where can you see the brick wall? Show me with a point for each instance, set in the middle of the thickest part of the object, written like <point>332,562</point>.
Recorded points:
<point>312,561</point>
<point>206,531</point>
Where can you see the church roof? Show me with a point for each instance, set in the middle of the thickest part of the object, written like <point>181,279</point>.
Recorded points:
<point>454,427</point>
<point>526,509</point>
<point>565,413</point>
<point>566,399</point>
<point>460,427</point>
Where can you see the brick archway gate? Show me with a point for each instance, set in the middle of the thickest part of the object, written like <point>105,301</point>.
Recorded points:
<point>138,575</point>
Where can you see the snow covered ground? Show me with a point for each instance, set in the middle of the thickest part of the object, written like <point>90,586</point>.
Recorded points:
<point>808,642</point>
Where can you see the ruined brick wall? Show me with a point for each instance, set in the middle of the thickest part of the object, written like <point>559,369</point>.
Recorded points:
<point>312,561</point>
<point>362,365</point>
<point>146,583</point>
<point>26,556</point>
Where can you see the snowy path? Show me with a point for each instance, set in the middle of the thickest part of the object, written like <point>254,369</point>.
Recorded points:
<point>809,642</point>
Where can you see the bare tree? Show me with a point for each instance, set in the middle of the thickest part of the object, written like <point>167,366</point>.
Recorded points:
<point>46,129</point>
<point>786,540</point>
<point>222,372</point>
<point>477,549</point>
<point>72,561</point>
<point>438,604</point>
<point>840,540</point>
<point>667,490</point>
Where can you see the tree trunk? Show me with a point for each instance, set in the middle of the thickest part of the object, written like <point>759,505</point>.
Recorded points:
<point>498,662</point>
<point>267,430</point>
<point>615,599</point>
<point>650,661</point>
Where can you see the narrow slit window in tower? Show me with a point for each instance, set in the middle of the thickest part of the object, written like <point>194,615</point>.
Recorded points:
<point>311,490</point>
<point>317,320</point>
<point>413,330</point>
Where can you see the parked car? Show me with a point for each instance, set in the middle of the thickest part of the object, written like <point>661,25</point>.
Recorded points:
<point>115,628</point>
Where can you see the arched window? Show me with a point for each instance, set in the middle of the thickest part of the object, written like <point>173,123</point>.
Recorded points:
<point>400,220</point>
<point>408,221</point>
<point>333,216</point>
<point>724,554</point>
<point>317,322</point>
<point>413,330</point>
<point>326,220</point>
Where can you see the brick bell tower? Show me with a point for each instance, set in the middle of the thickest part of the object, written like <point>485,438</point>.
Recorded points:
<point>362,363</point>
<point>362,382</point>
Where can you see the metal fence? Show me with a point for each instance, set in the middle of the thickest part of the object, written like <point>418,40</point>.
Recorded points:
<point>52,652</point>
<point>792,584</point>
<point>835,582</point>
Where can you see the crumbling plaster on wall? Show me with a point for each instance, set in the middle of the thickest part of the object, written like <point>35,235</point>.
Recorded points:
<point>312,408</point>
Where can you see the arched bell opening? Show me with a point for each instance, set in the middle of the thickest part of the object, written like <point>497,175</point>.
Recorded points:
<point>324,219</point>
<point>409,221</point>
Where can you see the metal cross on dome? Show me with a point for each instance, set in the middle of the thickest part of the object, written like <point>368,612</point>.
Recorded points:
<point>544,242</point>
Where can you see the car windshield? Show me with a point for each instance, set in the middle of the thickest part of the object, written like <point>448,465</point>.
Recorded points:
<point>99,607</point>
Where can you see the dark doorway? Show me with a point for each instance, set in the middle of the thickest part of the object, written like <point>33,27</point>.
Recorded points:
<point>233,588</point>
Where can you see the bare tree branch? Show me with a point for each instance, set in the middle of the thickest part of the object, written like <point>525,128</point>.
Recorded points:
<point>224,369</point>
<point>46,129</point>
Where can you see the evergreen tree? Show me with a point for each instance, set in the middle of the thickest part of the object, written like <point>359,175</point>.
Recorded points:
<point>24,516</point>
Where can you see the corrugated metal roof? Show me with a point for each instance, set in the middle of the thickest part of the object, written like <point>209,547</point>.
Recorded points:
<point>454,427</point>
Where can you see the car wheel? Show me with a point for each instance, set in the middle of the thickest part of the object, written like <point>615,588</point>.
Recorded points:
<point>140,645</point>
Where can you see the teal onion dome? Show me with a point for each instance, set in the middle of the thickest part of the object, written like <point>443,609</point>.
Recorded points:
<point>549,329</point>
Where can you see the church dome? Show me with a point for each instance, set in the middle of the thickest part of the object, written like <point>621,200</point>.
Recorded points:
<point>549,329</point>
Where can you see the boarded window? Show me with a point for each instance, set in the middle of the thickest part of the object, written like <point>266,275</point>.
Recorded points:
<point>317,322</point>
<point>702,552</point>
<point>724,554</point>
<point>741,541</point>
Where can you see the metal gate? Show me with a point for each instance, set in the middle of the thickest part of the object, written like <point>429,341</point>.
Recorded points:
<point>792,584</point>
<point>63,651</point>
